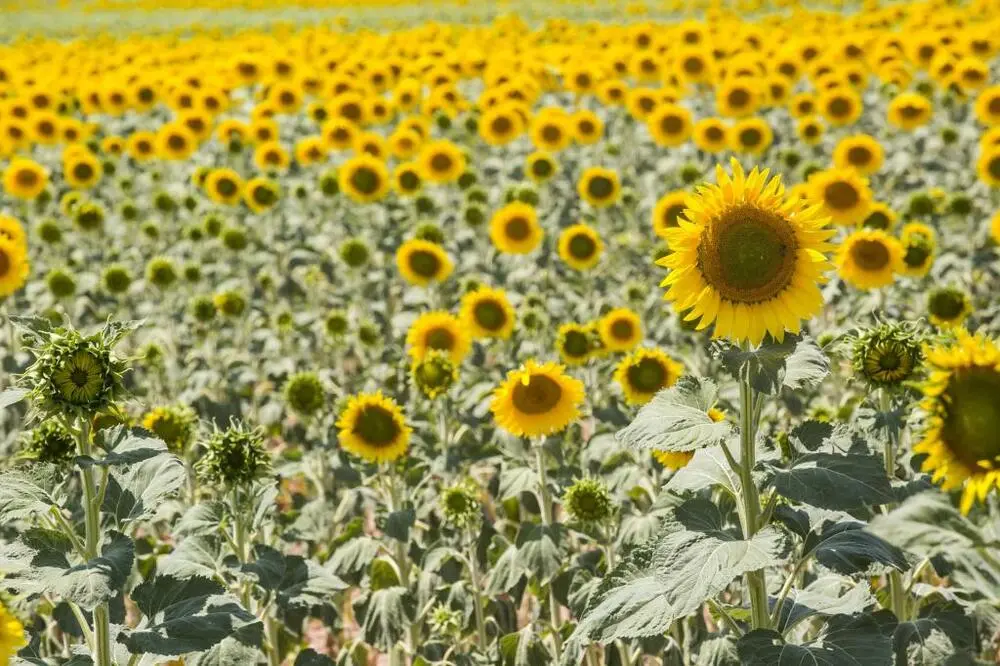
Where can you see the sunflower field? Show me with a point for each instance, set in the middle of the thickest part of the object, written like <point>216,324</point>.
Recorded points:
<point>646,333</point>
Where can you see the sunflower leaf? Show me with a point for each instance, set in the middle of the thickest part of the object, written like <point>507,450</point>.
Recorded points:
<point>856,641</point>
<point>795,362</point>
<point>677,419</point>
<point>834,481</point>
<point>927,525</point>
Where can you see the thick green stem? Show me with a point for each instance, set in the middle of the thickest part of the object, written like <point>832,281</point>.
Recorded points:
<point>274,647</point>
<point>897,590</point>
<point>756,583</point>
<point>92,523</point>
<point>546,507</point>
<point>477,598</point>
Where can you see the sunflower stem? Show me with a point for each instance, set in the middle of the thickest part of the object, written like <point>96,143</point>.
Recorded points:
<point>546,507</point>
<point>477,600</point>
<point>92,523</point>
<point>756,582</point>
<point>897,590</point>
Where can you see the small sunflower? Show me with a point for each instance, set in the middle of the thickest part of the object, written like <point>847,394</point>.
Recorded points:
<point>880,216</point>
<point>948,307</point>
<point>339,133</point>
<point>373,427</point>
<point>439,330</point>
<point>81,170</point>
<point>751,136</point>
<point>988,106</point>
<point>14,265</point>
<point>364,178</point>
<point>174,141</point>
<point>224,186</point>
<point>24,179</point>
<point>860,152</point>
<point>840,106</point>
<point>441,162</point>
<point>12,230</point>
<point>918,249</point>
<point>961,437</point>
<point>810,130</point>
<point>540,167</point>
<point>575,343</point>
<point>422,262</point>
<point>434,374</point>
<point>580,246</point>
<point>12,637</point>
<point>670,125</point>
<point>514,229</point>
<point>261,194</point>
<point>599,187</point>
<point>843,193</point>
<point>668,211</point>
<point>738,97</point>
<point>176,425</point>
<point>747,258</point>
<point>711,135</point>
<point>869,259</point>
<point>271,157</point>
<point>620,329</point>
<point>551,130</point>
<point>588,128</point>
<point>645,372</point>
<point>141,145</point>
<point>537,399</point>
<point>487,313</point>
<point>500,125</point>
<point>988,167</point>
<point>910,110</point>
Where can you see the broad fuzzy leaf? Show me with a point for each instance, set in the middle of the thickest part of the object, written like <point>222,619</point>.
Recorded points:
<point>677,419</point>
<point>845,641</point>
<point>834,481</point>
<point>927,525</point>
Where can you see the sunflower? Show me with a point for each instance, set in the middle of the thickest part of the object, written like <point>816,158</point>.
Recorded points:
<point>441,162</point>
<point>12,230</point>
<point>310,150</point>
<point>612,92</point>
<point>422,262</point>
<point>620,329</point>
<point>751,136</point>
<point>261,194</point>
<point>869,259</point>
<point>487,313</point>
<point>174,141</point>
<point>948,307</point>
<point>645,372</point>
<point>580,247</point>
<point>908,111</point>
<point>500,125</point>
<point>373,427</point>
<point>141,145</point>
<point>860,152</point>
<point>988,106</point>
<point>24,179</point>
<point>599,187</point>
<point>843,193</point>
<point>587,127</point>
<point>224,186</point>
<point>537,399</point>
<point>694,65</point>
<point>575,343</point>
<point>988,167</point>
<point>669,125</point>
<point>711,135</point>
<point>802,105</point>
<point>371,143</point>
<point>995,228</point>
<point>364,178</point>
<point>641,102</point>
<point>840,106</point>
<point>918,249</point>
<point>551,130</point>
<point>406,179</point>
<point>675,460</point>
<point>439,330</point>
<point>339,133</point>
<point>737,97</point>
<point>961,436</point>
<point>404,144</point>
<point>540,167</point>
<point>810,130</point>
<point>514,229</point>
<point>747,258</point>
<point>12,636</point>
<point>879,216</point>
<point>81,170</point>
<point>13,265</point>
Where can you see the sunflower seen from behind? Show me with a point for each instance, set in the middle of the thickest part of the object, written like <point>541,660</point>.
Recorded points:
<point>644,373</point>
<point>961,436</point>
<point>373,427</point>
<point>537,399</point>
<point>747,258</point>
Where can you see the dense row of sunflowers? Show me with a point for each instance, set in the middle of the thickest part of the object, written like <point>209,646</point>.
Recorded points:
<point>384,368</point>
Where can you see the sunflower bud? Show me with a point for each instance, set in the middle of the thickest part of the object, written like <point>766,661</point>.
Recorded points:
<point>304,393</point>
<point>461,505</point>
<point>434,374</point>
<point>49,442</point>
<point>588,501</point>
<point>234,457</point>
<point>887,355</point>
<point>355,252</point>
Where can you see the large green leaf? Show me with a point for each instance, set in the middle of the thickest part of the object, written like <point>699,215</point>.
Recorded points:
<point>507,572</point>
<point>696,557</point>
<point>516,480</point>
<point>386,616</point>
<point>135,492</point>
<point>353,556</point>
<point>677,419</point>
<point>539,549</point>
<point>835,481</point>
<point>927,525</point>
<point>827,595</point>
<point>25,493</point>
<point>941,629</point>
<point>848,548</point>
<point>523,648</point>
<point>795,362</point>
<point>100,579</point>
<point>845,641</point>
<point>123,447</point>
<point>709,467</point>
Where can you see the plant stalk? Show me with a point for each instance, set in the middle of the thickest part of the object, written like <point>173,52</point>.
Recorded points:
<point>92,523</point>
<point>897,590</point>
<point>756,582</point>
<point>477,599</point>
<point>546,507</point>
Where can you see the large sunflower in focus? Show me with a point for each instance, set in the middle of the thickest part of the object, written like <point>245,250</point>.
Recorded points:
<point>372,427</point>
<point>537,399</point>
<point>962,399</point>
<point>747,258</point>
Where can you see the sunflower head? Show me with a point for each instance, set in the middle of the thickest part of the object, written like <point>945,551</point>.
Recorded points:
<point>234,457</point>
<point>599,187</point>
<point>948,307</point>
<point>49,442</point>
<point>887,355</point>
<point>644,373</point>
<point>422,262</point>
<point>231,302</point>
<point>575,343</point>
<point>75,374</point>
<point>434,374</point>
<point>514,229</point>
<point>843,193</point>
<point>304,393</point>
<point>620,329</point>
<point>116,279</point>
<point>355,252</point>
<point>961,436</point>
<point>580,247</point>
<point>14,266</point>
<point>537,399</point>
<point>175,425</point>
<point>461,505</point>
<point>869,259</point>
<point>588,501</point>
<point>202,308</point>
<point>372,427</point>
<point>429,231</point>
<point>747,258</point>
<point>487,313</point>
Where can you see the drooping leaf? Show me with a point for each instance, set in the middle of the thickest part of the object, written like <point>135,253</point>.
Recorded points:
<point>507,572</point>
<point>864,640</point>
<point>539,549</point>
<point>12,396</point>
<point>523,648</point>
<point>398,524</point>
<point>307,585</point>
<point>795,362</point>
<point>827,595</point>
<point>927,525</point>
<point>516,480</point>
<point>709,467</point>
<point>834,481</point>
<point>353,556</point>
<point>848,548</point>
<point>387,614</point>
<point>677,419</point>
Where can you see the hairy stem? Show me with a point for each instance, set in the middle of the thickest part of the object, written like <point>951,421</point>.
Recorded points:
<point>897,591</point>
<point>546,507</point>
<point>92,522</point>
<point>756,583</point>
<point>477,599</point>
